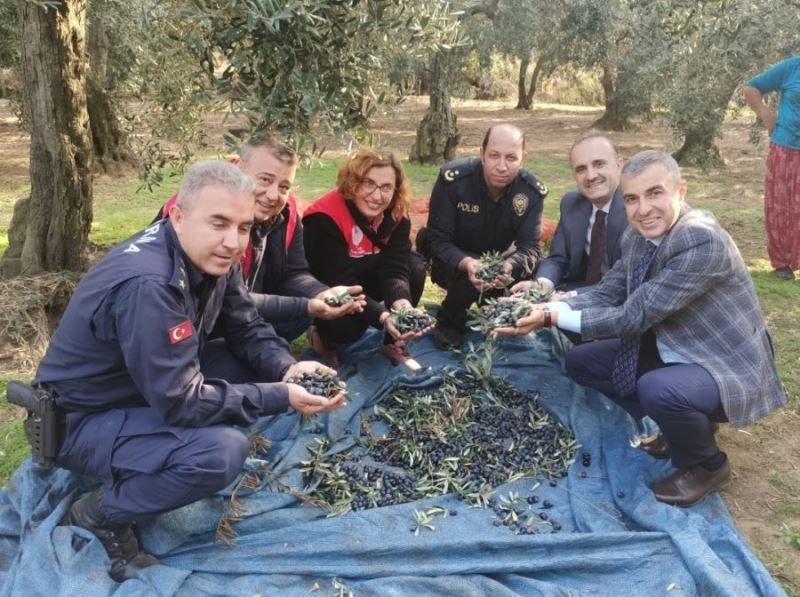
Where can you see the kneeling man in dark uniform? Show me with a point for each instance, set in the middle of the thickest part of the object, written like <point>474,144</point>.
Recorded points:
<point>688,343</point>
<point>480,205</point>
<point>125,366</point>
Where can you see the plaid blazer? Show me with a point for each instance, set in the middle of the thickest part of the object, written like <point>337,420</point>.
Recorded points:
<point>699,299</point>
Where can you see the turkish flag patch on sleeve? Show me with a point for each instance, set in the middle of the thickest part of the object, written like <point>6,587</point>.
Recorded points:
<point>180,332</point>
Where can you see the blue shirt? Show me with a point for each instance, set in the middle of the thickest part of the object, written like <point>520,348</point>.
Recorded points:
<point>132,334</point>
<point>783,77</point>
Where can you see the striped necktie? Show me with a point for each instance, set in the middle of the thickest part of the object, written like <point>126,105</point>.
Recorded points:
<point>623,376</point>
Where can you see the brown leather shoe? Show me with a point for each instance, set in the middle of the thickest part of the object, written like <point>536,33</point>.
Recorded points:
<point>655,445</point>
<point>689,486</point>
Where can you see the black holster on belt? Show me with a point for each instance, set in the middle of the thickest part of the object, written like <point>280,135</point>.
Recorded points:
<point>45,423</point>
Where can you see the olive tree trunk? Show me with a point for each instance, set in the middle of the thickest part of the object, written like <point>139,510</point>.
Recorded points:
<point>108,141</point>
<point>616,116</point>
<point>699,149</point>
<point>700,135</point>
<point>437,133</point>
<point>525,91</point>
<point>50,229</point>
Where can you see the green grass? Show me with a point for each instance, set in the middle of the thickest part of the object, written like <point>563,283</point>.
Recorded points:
<point>10,191</point>
<point>14,448</point>
<point>121,208</point>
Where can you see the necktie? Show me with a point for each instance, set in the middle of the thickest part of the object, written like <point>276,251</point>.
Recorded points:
<point>623,376</point>
<point>597,247</point>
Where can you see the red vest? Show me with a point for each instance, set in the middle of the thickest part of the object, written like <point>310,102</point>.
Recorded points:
<point>247,257</point>
<point>334,205</point>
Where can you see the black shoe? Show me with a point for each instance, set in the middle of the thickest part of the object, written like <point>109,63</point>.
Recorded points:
<point>784,273</point>
<point>446,337</point>
<point>119,540</point>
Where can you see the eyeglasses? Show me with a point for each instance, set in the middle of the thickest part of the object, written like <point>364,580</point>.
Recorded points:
<point>368,186</point>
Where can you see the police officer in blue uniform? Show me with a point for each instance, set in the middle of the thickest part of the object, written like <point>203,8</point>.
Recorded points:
<point>142,415</point>
<point>478,205</point>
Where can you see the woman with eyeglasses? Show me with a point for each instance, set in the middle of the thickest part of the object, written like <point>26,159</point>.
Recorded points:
<point>358,234</point>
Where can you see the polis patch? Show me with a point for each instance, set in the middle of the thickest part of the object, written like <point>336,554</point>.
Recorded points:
<point>520,203</point>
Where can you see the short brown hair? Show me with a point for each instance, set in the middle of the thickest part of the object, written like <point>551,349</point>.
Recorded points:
<point>353,172</point>
<point>277,148</point>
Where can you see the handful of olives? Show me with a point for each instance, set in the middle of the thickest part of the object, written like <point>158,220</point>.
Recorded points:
<point>497,314</point>
<point>408,319</point>
<point>490,267</point>
<point>338,300</point>
<point>534,294</point>
<point>319,383</point>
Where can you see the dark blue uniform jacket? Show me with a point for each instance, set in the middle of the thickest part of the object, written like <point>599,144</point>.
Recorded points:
<point>464,221</point>
<point>132,335</point>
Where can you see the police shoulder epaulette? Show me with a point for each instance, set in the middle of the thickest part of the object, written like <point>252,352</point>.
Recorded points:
<point>457,169</point>
<point>534,181</point>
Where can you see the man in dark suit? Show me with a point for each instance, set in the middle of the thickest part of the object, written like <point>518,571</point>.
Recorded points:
<point>689,345</point>
<point>586,243</point>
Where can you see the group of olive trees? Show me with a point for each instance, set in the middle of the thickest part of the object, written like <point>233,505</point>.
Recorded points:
<point>102,80</point>
<point>92,69</point>
<point>683,59</point>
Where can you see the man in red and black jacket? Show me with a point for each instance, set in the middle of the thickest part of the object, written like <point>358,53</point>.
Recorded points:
<point>274,264</point>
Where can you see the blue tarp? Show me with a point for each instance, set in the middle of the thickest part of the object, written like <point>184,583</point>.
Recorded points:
<point>616,538</point>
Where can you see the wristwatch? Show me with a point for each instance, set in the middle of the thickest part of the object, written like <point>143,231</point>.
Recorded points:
<point>548,317</point>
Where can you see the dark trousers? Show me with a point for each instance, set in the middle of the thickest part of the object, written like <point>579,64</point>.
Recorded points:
<point>682,398</point>
<point>461,294</point>
<point>148,467</point>
<point>350,328</point>
<point>290,328</point>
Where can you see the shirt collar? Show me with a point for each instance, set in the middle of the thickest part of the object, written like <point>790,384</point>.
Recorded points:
<point>262,229</point>
<point>606,208</point>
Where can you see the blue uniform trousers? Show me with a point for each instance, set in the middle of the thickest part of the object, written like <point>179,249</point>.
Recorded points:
<point>148,467</point>
<point>682,398</point>
<point>461,294</point>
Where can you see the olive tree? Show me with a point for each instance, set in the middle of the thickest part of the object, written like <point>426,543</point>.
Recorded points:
<point>716,46</point>
<point>302,69</point>
<point>624,41</point>
<point>437,133</point>
<point>531,31</point>
<point>50,229</point>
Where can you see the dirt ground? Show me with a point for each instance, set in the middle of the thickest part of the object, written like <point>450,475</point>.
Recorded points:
<point>764,493</point>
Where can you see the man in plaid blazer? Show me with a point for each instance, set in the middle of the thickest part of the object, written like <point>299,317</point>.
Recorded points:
<point>682,336</point>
